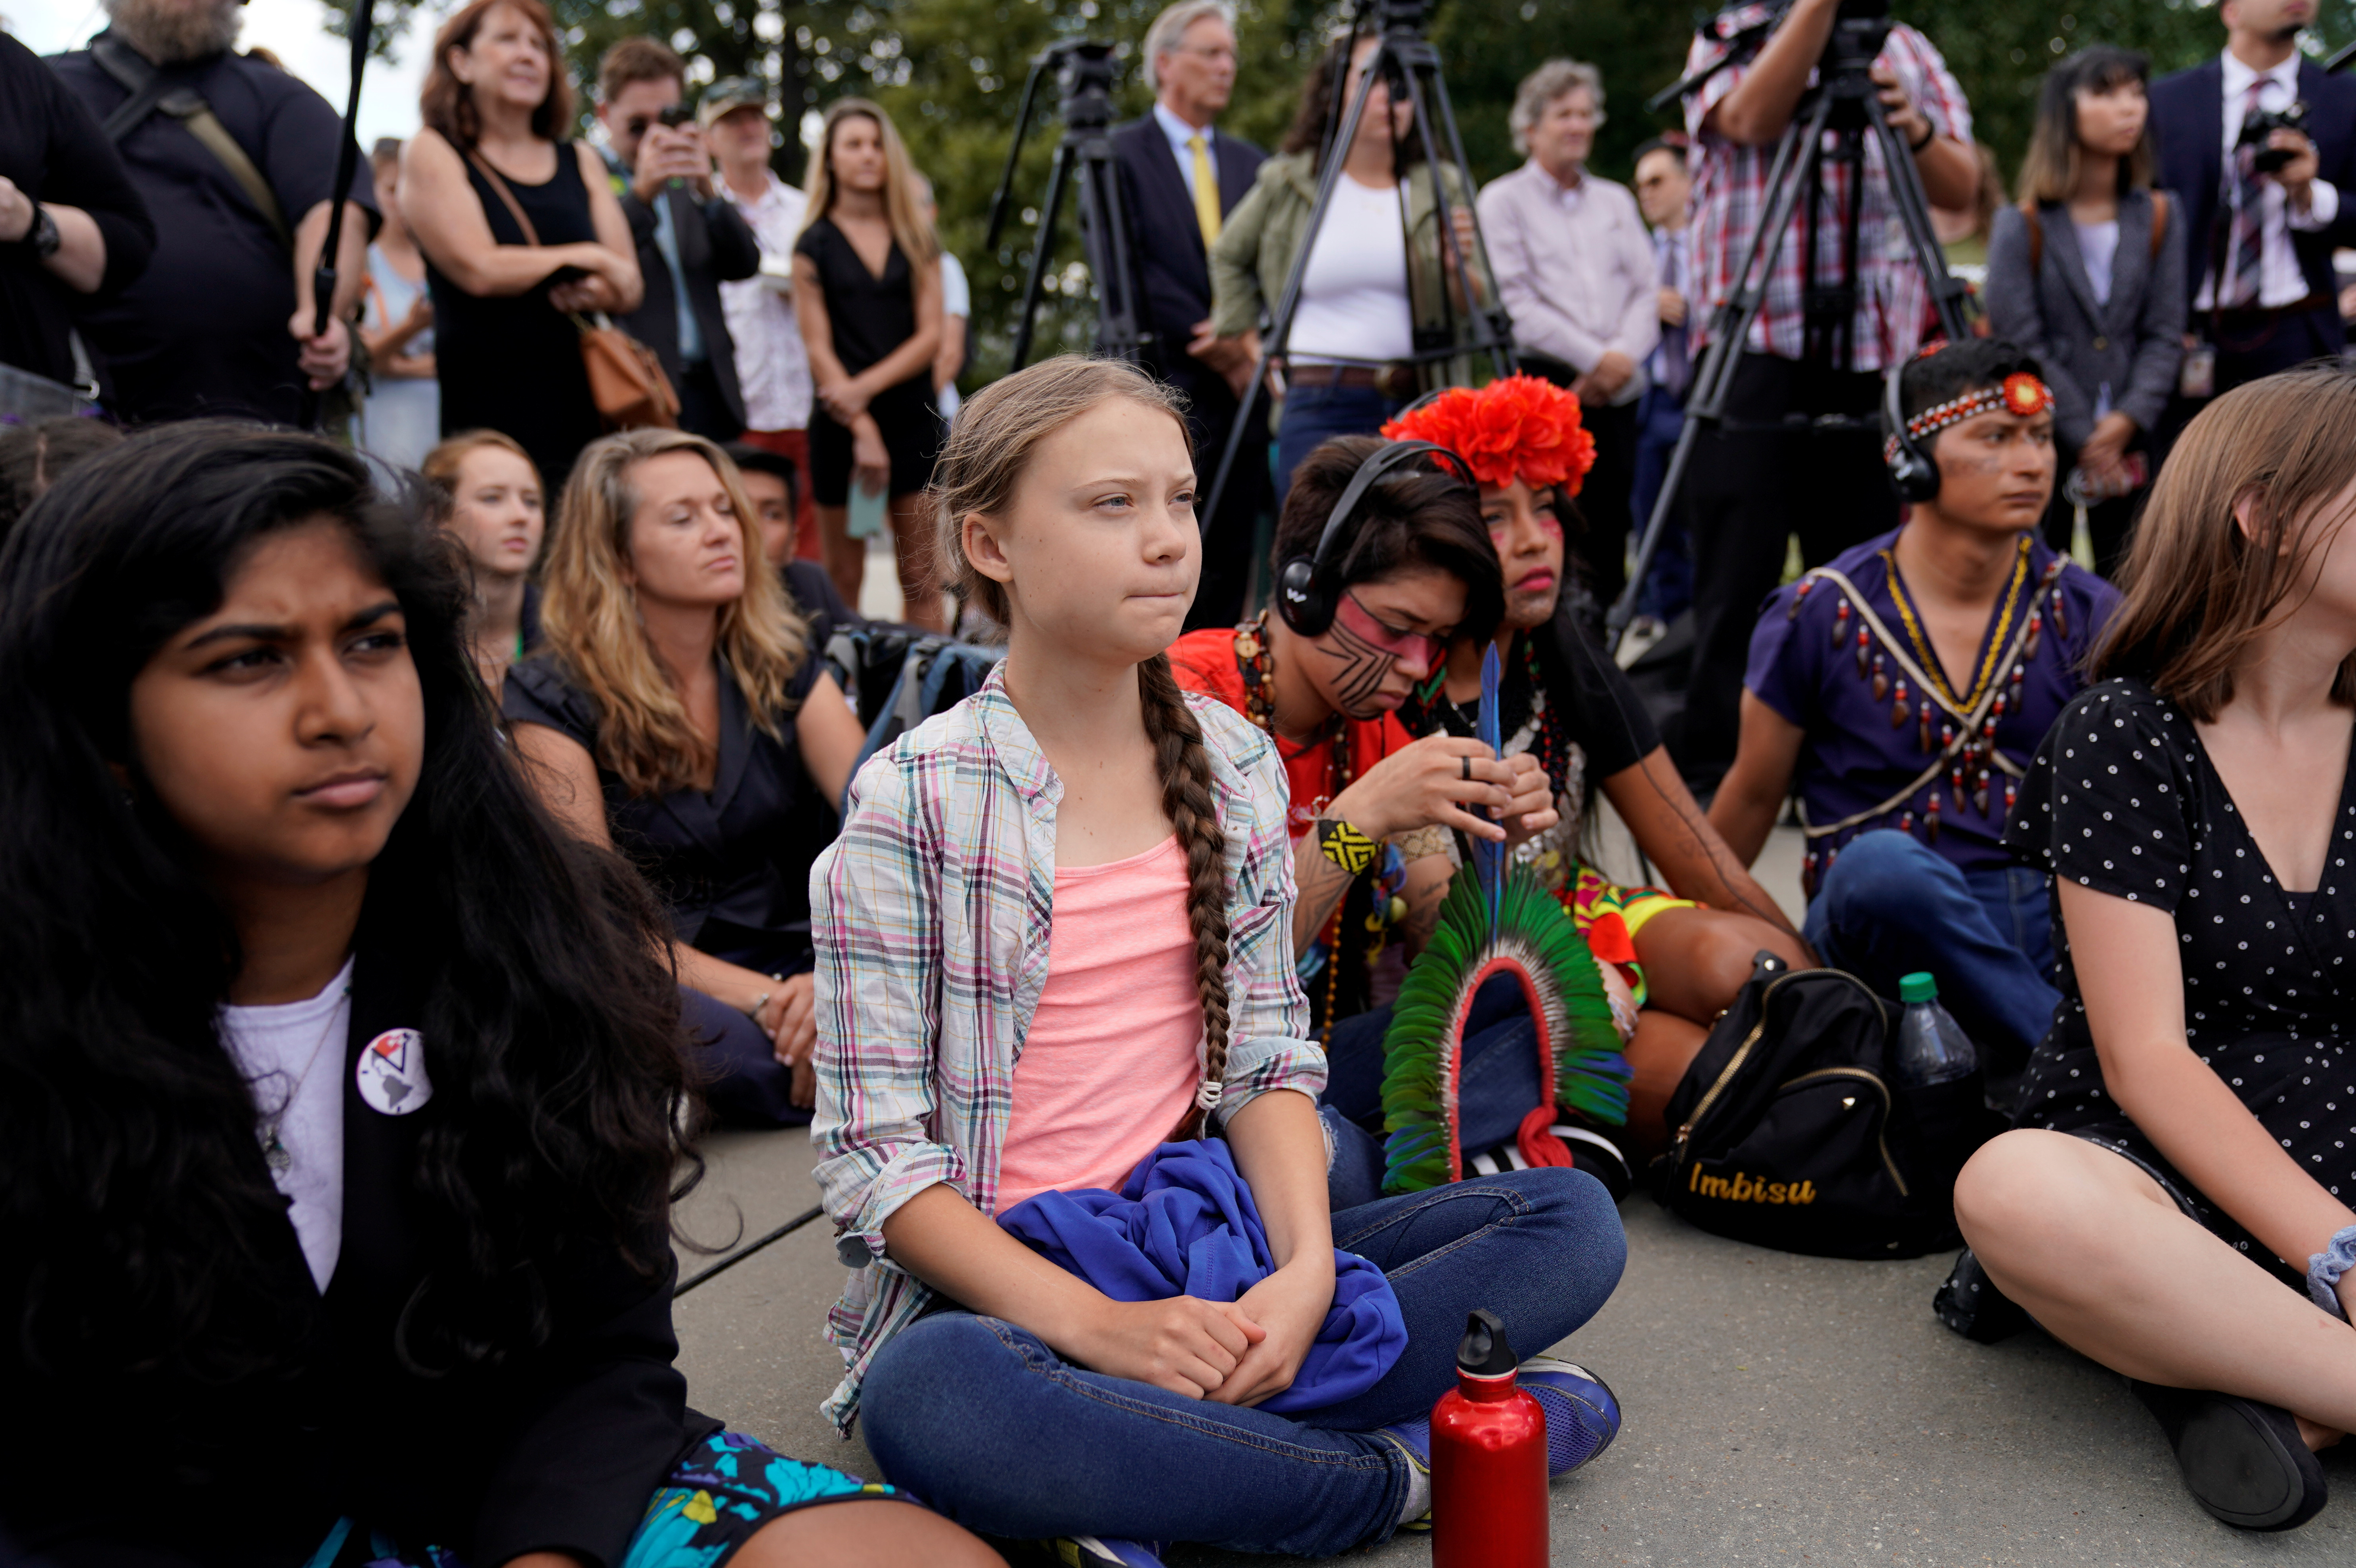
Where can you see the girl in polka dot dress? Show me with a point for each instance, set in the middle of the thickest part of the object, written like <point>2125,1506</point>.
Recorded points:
<point>2177,1204</point>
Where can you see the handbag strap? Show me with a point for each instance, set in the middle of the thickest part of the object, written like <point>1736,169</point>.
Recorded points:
<point>499,189</point>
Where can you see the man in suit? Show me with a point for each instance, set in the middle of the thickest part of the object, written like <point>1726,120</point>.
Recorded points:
<point>1180,178</point>
<point>690,236</point>
<point>2260,267</point>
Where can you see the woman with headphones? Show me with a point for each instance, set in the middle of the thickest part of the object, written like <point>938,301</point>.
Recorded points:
<point>1383,563</point>
<point>1902,690</point>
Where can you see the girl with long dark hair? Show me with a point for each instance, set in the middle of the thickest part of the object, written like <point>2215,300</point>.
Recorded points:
<point>1380,271</point>
<point>1055,934</point>
<point>339,1088</point>
<point>2087,275</point>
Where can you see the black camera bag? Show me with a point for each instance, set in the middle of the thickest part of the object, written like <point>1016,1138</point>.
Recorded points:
<point>1787,1132</point>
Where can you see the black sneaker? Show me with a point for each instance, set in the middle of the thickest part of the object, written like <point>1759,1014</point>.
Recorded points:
<point>2242,1461</point>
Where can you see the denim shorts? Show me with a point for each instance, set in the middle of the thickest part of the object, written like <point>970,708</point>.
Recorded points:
<point>721,1491</point>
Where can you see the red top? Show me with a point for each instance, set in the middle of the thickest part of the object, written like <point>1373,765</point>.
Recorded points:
<point>1205,661</point>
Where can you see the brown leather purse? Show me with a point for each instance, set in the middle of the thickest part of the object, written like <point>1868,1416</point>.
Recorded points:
<point>625,380</point>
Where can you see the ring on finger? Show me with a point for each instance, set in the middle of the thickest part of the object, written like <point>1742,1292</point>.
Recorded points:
<point>1468,768</point>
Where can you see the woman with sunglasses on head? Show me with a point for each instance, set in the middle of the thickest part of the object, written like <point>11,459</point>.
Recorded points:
<point>521,228</point>
<point>1385,590</point>
<point>340,1089</point>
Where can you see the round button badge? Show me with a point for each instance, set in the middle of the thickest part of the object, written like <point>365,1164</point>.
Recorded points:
<point>391,1072</point>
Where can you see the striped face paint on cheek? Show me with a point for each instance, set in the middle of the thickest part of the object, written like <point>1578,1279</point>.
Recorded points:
<point>1360,651</point>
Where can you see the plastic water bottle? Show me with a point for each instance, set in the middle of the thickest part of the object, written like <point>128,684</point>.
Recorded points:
<point>1488,1460</point>
<point>1932,1047</point>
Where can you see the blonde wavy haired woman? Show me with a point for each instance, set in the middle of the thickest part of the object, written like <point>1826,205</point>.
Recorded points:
<point>867,294</point>
<point>675,712</point>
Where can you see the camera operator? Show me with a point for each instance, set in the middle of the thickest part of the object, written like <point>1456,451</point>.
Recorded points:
<point>1748,486</point>
<point>2263,199</point>
<point>690,238</point>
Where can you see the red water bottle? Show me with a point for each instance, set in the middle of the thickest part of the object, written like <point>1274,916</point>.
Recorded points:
<point>1488,1460</point>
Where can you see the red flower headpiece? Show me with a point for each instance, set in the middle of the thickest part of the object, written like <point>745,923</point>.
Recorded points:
<point>1519,425</point>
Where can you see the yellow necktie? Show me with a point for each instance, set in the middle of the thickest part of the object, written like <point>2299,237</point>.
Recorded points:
<point>1206,191</point>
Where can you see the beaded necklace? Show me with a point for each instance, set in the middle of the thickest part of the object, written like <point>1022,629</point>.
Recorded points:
<point>1930,661</point>
<point>1257,664</point>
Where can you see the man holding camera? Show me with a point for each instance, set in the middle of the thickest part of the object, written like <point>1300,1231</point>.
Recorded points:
<point>1180,177</point>
<point>690,238</point>
<point>2259,143</point>
<point>1758,479</point>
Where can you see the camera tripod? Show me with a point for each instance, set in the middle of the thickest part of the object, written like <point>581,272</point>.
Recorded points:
<point>1084,71</point>
<point>1407,60</point>
<point>1845,107</point>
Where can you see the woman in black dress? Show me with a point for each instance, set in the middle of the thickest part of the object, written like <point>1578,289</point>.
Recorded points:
<point>2179,1204</point>
<point>519,229</point>
<point>677,713</point>
<point>867,292</point>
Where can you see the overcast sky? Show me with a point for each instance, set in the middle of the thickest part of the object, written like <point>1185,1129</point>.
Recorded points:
<point>291,29</point>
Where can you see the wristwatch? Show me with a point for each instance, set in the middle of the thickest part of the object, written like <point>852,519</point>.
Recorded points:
<point>42,235</point>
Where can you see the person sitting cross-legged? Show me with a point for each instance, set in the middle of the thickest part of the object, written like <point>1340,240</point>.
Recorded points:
<point>1684,951</point>
<point>2175,1201</point>
<point>1392,582</point>
<point>1902,688</point>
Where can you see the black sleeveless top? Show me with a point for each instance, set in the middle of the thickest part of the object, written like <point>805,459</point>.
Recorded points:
<point>513,364</point>
<point>870,316</point>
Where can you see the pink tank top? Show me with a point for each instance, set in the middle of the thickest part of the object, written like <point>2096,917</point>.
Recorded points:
<point>1113,1055</point>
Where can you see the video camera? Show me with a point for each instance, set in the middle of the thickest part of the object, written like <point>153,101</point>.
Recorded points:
<point>2261,124</point>
<point>1859,29</point>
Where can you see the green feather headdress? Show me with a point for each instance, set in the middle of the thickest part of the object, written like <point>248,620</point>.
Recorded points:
<point>1495,921</point>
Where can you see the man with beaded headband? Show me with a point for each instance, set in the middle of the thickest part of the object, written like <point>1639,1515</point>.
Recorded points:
<point>1901,689</point>
<point>1686,951</point>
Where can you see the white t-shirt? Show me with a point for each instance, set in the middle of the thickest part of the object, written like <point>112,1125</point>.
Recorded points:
<point>2099,244</point>
<point>272,1046</point>
<point>956,300</point>
<point>1354,296</point>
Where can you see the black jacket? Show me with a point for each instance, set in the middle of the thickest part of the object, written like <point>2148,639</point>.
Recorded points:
<point>715,246</point>
<point>559,1450</point>
<point>1174,268</point>
<point>2188,117</point>
<point>51,147</point>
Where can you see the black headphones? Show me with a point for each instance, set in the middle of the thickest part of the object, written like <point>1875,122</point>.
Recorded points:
<point>1911,467</point>
<point>1306,594</point>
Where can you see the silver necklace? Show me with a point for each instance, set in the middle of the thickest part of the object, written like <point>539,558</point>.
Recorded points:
<point>275,1152</point>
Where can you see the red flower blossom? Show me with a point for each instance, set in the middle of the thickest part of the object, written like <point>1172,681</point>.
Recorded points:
<point>1519,425</point>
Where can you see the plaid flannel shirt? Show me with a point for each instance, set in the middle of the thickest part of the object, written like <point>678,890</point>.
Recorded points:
<point>1729,198</point>
<point>930,915</point>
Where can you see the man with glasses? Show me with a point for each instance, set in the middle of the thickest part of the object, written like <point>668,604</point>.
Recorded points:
<point>1180,178</point>
<point>1575,269</point>
<point>691,237</point>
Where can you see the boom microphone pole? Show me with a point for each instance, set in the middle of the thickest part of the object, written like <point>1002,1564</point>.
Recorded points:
<point>322,276</point>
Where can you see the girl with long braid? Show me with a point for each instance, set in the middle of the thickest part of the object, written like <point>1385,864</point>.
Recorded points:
<point>1053,935</point>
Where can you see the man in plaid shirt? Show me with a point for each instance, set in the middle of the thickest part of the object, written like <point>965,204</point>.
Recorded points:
<point>1749,487</point>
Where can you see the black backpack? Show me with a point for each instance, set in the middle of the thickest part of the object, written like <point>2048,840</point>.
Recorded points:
<point>1787,1132</point>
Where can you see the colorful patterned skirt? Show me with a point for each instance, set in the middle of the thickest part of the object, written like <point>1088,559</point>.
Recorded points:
<point>1610,916</point>
<point>725,1488</point>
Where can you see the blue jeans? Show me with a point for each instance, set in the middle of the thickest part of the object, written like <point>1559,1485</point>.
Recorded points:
<point>1314,415</point>
<point>984,1422</point>
<point>1668,581</point>
<point>744,1083</point>
<point>1496,1082</point>
<point>1890,906</point>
